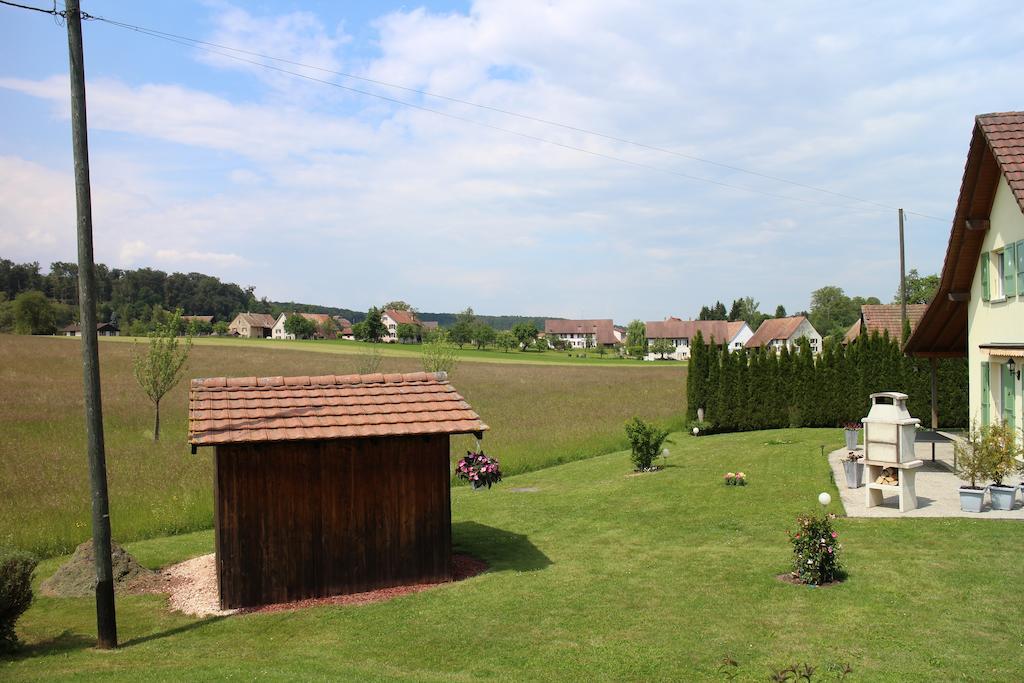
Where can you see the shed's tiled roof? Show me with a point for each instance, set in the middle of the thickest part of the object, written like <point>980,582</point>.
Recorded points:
<point>250,409</point>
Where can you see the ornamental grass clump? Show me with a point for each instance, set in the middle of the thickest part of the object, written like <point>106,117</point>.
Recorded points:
<point>478,469</point>
<point>816,549</point>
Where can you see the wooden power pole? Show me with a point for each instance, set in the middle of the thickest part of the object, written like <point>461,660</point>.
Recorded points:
<point>106,622</point>
<point>903,282</point>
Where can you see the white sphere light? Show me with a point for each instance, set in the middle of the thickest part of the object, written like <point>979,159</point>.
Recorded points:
<point>696,431</point>
<point>664,453</point>
<point>824,498</point>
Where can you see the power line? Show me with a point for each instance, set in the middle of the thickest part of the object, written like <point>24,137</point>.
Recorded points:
<point>527,117</point>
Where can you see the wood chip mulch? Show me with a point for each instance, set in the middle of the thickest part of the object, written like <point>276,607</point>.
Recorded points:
<point>463,567</point>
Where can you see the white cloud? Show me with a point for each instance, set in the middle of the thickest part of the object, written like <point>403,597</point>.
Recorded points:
<point>315,193</point>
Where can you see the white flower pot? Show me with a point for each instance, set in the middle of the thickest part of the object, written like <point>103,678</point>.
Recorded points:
<point>1002,496</point>
<point>971,500</point>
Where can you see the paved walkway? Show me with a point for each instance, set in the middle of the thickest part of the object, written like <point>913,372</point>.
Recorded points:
<point>936,485</point>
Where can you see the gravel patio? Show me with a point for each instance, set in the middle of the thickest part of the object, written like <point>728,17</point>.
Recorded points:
<point>936,489</point>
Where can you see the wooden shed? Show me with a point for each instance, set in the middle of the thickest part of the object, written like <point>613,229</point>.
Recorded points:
<point>329,485</point>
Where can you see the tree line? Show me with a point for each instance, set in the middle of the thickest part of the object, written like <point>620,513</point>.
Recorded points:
<point>758,389</point>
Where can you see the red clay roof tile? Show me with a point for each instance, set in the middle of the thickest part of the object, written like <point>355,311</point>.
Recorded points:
<point>251,409</point>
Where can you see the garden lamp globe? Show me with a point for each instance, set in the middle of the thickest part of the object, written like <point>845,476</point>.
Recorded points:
<point>696,431</point>
<point>664,453</point>
<point>824,498</point>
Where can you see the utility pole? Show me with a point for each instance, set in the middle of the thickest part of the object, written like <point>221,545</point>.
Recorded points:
<point>903,282</point>
<point>106,622</point>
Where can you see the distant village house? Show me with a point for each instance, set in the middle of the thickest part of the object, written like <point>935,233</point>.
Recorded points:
<point>776,333</point>
<point>884,318</point>
<point>583,334</point>
<point>252,325</point>
<point>682,332</point>
<point>102,329</point>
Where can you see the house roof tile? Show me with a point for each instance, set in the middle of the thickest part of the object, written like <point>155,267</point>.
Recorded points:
<point>400,317</point>
<point>254,409</point>
<point>884,318</point>
<point>717,331</point>
<point>604,329</point>
<point>775,328</point>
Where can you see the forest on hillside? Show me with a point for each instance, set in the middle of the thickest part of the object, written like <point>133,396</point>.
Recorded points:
<point>139,296</point>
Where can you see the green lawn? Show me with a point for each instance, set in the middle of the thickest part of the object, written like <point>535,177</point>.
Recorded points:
<point>539,414</point>
<point>604,576</point>
<point>412,351</point>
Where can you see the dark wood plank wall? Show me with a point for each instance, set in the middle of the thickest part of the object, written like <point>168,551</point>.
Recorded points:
<point>311,519</point>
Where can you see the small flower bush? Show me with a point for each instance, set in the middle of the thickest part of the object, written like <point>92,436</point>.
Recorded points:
<point>478,469</point>
<point>735,479</point>
<point>816,549</point>
<point>856,426</point>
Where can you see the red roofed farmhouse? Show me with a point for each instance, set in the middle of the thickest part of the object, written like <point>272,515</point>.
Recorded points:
<point>329,485</point>
<point>583,334</point>
<point>682,332</point>
<point>775,333</point>
<point>392,318</point>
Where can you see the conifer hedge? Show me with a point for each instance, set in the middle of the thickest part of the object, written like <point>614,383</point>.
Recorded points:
<point>757,389</point>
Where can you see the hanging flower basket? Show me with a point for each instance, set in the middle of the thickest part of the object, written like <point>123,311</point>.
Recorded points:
<point>479,469</point>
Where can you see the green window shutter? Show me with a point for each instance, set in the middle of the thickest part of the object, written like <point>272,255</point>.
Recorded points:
<point>1020,268</point>
<point>1009,266</point>
<point>1009,399</point>
<point>985,389</point>
<point>986,292</point>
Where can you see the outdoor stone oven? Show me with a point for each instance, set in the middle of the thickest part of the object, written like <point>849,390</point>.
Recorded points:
<point>890,433</point>
<point>329,485</point>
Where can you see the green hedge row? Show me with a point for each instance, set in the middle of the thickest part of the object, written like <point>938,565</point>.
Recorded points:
<point>747,390</point>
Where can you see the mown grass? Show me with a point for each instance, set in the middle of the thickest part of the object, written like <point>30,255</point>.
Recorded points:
<point>490,355</point>
<point>603,576</point>
<point>539,415</point>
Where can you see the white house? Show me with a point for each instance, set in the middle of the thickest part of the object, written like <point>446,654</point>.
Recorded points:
<point>392,318</point>
<point>102,330</point>
<point>978,310</point>
<point>681,333</point>
<point>775,333</point>
<point>583,334</point>
<point>278,331</point>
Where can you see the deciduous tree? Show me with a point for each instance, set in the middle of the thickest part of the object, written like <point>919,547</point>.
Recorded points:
<point>636,339</point>
<point>161,366</point>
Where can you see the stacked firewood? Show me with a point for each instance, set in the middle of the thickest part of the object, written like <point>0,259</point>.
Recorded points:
<point>890,476</point>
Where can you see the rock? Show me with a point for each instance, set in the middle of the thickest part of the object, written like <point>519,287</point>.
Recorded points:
<point>77,577</point>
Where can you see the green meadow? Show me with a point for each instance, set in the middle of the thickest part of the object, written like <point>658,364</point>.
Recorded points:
<point>540,414</point>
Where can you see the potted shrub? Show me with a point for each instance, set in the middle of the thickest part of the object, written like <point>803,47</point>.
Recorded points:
<point>854,470</point>
<point>479,469</point>
<point>850,431</point>
<point>1003,451</point>
<point>972,466</point>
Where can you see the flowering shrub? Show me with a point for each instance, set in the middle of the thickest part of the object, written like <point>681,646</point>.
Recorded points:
<point>735,479</point>
<point>478,469</point>
<point>853,425</point>
<point>816,550</point>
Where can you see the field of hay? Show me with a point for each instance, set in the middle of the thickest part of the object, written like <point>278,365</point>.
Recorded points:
<point>539,415</point>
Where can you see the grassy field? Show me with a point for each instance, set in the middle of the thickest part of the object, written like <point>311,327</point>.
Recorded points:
<point>539,415</point>
<point>412,351</point>
<point>603,576</point>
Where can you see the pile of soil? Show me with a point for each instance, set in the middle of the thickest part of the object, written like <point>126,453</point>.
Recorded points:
<point>77,577</point>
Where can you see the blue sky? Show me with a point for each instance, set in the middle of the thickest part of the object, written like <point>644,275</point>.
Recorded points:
<point>314,193</point>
